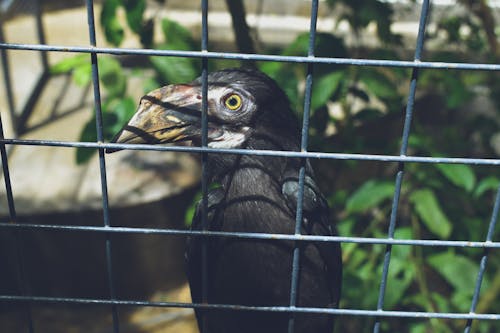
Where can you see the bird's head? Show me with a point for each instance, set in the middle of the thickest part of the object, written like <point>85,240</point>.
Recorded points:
<point>242,104</point>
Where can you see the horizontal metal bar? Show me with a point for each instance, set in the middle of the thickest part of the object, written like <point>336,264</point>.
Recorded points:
<point>343,312</point>
<point>254,57</point>
<point>293,154</point>
<point>252,235</point>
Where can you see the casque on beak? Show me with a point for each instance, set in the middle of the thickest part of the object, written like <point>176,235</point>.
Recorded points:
<point>168,114</point>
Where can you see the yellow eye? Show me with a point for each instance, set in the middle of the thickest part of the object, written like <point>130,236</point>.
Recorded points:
<point>233,102</point>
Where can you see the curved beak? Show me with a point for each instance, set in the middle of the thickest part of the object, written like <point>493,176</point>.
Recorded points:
<point>168,114</point>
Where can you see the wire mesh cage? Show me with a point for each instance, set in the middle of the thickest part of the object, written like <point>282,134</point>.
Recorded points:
<point>377,315</point>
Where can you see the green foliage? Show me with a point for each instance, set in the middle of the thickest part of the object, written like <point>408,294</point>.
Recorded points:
<point>177,37</point>
<point>487,184</point>
<point>134,10</point>
<point>79,66</point>
<point>117,106</point>
<point>360,13</point>
<point>324,89</point>
<point>112,77</point>
<point>378,83</point>
<point>289,75</point>
<point>460,272</point>
<point>191,210</point>
<point>111,73</point>
<point>463,30</point>
<point>429,211</point>
<point>459,174</point>
<point>113,29</point>
<point>175,69</point>
<point>285,76</point>
<point>115,113</point>
<point>370,195</point>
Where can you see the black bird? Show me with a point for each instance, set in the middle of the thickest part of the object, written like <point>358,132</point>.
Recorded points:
<point>247,109</point>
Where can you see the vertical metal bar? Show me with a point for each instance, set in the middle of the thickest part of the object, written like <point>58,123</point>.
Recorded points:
<point>102,163</point>
<point>404,147</point>
<point>204,160</point>
<point>8,82</point>
<point>21,270</point>
<point>302,172</point>
<point>484,260</point>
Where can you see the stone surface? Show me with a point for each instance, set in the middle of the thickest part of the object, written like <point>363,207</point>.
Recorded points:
<point>48,179</point>
<point>97,319</point>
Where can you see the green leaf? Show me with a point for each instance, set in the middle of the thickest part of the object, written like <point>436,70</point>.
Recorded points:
<point>113,30</point>
<point>80,67</point>
<point>442,303</point>
<point>177,36</point>
<point>486,184</point>
<point>123,109</point>
<point>397,287</point>
<point>112,76</point>
<point>68,64</point>
<point>460,175</point>
<point>82,75</point>
<point>325,87</point>
<point>378,83</point>
<point>286,78</point>
<point>191,210</point>
<point>402,251</point>
<point>459,271</point>
<point>462,298</point>
<point>134,10</point>
<point>419,141</point>
<point>418,327</point>
<point>430,213</point>
<point>326,45</point>
<point>88,134</point>
<point>289,84</point>
<point>357,257</point>
<point>299,46</point>
<point>174,69</point>
<point>371,194</point>
<point>345,226</point>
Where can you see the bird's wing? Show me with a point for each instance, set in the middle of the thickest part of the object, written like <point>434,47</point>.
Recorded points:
<point>316,221</point>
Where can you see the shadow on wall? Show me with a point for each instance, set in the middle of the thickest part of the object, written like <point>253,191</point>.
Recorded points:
<point>73,264</point>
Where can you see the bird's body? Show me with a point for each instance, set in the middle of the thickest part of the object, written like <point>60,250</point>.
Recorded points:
<point>258,272</point>
<point>257,194</point>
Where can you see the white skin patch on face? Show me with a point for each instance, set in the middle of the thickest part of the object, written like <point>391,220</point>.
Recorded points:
<point>229,139</point>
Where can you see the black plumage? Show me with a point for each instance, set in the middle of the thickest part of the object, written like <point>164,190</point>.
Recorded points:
<point>247,109</point>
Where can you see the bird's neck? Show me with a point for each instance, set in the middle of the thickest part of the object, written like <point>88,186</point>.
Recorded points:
<point>248,169</point>
<point>246,172</point>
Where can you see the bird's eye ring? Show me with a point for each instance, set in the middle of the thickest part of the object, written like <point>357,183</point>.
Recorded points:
<point>232,102</point>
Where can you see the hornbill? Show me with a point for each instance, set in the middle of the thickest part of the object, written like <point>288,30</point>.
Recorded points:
<point>258,194</point>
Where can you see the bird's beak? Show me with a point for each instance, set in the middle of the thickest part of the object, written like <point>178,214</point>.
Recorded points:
<point>168,114</point>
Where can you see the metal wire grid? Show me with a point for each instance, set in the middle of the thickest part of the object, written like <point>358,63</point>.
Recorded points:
<point>379,313</point>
